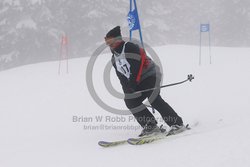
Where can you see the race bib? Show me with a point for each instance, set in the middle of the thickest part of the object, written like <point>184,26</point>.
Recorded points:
<point>123,67</point>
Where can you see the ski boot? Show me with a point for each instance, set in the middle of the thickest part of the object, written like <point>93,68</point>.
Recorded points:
<point>175,129</point>
<point>151,130</point>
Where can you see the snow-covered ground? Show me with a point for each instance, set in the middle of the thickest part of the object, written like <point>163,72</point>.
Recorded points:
<point>38,107</point>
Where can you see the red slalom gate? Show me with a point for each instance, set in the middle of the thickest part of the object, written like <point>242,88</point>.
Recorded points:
<point>64,53</point>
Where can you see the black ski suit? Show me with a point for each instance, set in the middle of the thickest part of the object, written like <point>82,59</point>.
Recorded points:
<point>126,60</point>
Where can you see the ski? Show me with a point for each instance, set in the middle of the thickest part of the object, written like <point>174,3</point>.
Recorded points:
<point>134,141</point>
<point>148,139</point>
<point>112,143</point>
<point>152,138</point>
<point>116,143</point>
<point>143,140</point>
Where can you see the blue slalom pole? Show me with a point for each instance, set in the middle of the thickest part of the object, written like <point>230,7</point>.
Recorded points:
<point>139,24</point>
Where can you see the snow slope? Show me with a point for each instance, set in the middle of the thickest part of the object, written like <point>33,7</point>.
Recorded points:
<point>38,106</point>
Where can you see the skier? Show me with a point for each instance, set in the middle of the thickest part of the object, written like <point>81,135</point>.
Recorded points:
<point>138,72</point>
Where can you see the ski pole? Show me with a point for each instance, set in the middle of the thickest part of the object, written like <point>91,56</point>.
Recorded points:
<point>190,78</point>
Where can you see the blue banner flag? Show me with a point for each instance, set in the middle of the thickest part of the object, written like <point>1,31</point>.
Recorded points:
<point>204,28</point>
<point>133,21</point>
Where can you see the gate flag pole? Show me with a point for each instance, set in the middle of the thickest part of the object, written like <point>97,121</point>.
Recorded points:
<point>64,55</point>
<point>205,28</point>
